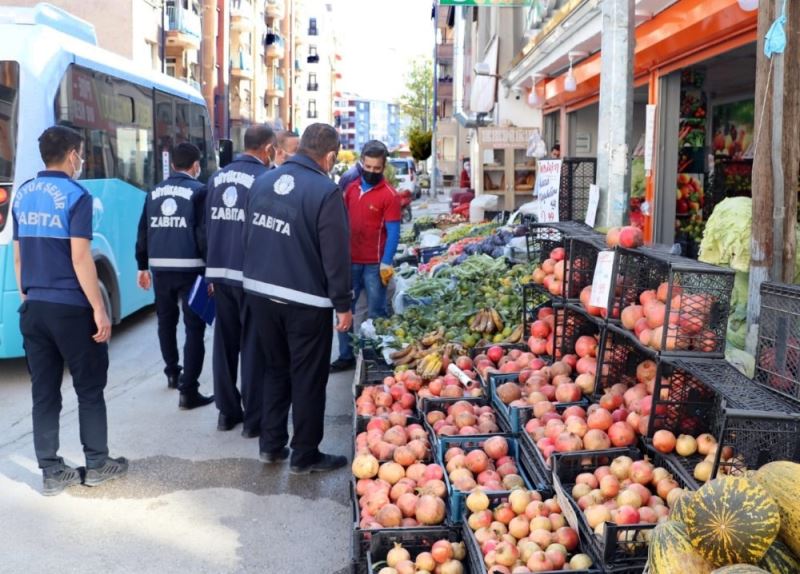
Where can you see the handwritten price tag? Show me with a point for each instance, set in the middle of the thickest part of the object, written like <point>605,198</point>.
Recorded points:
<point>548,188</point>
<point>601,285</point>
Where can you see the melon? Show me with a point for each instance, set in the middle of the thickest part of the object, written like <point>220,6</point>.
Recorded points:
<point>781,479</point>
<point>779,559</point>
<point>670,551</point>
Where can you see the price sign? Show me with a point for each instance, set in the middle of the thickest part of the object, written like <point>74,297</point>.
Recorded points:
<point>548,187</point>
<point>594,200</point>
<point>601,285</point>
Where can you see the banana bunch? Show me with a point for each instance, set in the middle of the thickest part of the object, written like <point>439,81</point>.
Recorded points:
<point>487,321</point>
<point>433,337</point>
<point>430,366</point>
<point>515,336</point>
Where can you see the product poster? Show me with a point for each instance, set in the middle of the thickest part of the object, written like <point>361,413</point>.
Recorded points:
<point>733,129</point>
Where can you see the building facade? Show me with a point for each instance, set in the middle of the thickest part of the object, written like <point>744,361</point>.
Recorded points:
<point>360,120</point>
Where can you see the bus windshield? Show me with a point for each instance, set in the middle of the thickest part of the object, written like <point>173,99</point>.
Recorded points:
<point>9,91</point>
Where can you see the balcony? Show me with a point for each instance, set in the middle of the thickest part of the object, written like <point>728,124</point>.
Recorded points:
<point>313,59</point>
<point>276,9</point>
<point>444,89</point>
<point>241,15</point>
<point>184,28</point>
<point>241,67</point>
<point>276,48</point>
<point>240,110</point>
<point>444,52</point>
<point>276,88</point>
<point>312,114</point>
<point>312,87</point>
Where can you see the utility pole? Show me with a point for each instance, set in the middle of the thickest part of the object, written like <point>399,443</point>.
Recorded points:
<point>616,111</point>
<point>776,158</point>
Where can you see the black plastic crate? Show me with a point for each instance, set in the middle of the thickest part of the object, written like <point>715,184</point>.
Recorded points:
<point>456,498</point>
<point>698,318</point>
<point>428,404</point>
<point>534,297</point>
<point>577,175</point>
<point>574,323</point>
<point>514,418</point>
<point>415,542</point>
<point>582,262</point>
<point>619,355</point>
<point>620,545</point>
<point>542,238</point>
<point>362,537</point>
<point>425,254</point>
<point>711,396</point>
<point>778,356</point>
<point>473,548</point>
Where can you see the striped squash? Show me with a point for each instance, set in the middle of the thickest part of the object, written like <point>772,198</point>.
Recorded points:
<point>740,569</point>
<point>779,559</point>
<point>732,520</point>
<point>782,480</point>
<point>670,551</point>
<point>678,510</point>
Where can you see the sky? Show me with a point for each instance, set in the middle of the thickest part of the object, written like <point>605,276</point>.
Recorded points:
<point>377,40</point>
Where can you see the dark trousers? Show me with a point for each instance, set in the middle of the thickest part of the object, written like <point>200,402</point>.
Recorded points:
<point>234,333</point>
<point>172,293</point>
<point>297,348</point>
<point>54,334</point>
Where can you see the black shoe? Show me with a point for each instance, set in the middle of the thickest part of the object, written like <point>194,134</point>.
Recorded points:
<point>192,400</point>
<point>326,462</point>
<point>251,433</point>
<point>172,381</point>
<point>340,365</point>
<point>274,456</point>
<point>226,423</point>
<point>112,468</point>
<point>58,481</point>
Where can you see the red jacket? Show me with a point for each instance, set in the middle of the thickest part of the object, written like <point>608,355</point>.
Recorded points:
<point>368,213</point>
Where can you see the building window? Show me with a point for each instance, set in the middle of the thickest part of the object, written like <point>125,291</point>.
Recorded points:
<point>313,86</point>
<point>171,67</point>
<point>313,56</point>
<point>312,27</point>
<point>312,109</point>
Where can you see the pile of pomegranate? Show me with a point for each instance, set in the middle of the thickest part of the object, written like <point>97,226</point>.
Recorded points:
<point>394,439</point>
<point>443,557</point>
<point>524,534</point>
<point>550,272</point>
<point>489,466</point>
<point>463,418</point>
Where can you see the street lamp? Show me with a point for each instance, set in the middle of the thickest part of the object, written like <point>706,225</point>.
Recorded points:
<point>570,82</point>
<point>533,98</point>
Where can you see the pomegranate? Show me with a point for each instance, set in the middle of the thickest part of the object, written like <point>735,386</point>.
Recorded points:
<point>496,447</point>
<point>664,441</point>
<point>621,434</point>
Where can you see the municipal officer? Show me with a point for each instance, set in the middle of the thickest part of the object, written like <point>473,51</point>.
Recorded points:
<point>233,331</point>
<point>285,147</point>
<point>296,272</point>
<point>171,241</point>
<point>62,317</point>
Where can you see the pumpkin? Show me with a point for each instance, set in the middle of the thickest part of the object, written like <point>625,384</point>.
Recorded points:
<point>670,551</point>
<point>740,569</point>
<point>678,510</point>
<point>732,520</point>
<point>781,479</point>
<point>779,559</point>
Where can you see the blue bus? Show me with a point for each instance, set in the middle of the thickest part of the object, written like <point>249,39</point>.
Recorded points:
<point>53,72</point>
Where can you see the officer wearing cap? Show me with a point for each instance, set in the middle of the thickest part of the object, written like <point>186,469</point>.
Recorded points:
<point>233,329</point>
<point>62,318</point>
<point>171,242</point>
<point>296,273</point>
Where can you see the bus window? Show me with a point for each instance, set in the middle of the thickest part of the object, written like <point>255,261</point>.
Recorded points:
<point>165,124</point>
<point>200,137</point>
<point>182,123</point>
<point>9,89</point>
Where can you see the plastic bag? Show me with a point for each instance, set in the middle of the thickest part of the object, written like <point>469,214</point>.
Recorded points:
<point>367,330</point>
<point>536,146</point>
<point>430,238</point>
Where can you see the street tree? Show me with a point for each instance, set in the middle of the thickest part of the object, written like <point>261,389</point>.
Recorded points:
<point>417,100</point>
<point>419,143</point>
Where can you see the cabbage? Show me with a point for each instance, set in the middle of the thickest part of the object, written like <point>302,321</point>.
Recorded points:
<point>726,239</point>
<point>737,320</point>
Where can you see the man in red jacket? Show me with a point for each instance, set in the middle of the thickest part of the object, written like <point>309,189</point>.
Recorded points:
<point>373,208</point>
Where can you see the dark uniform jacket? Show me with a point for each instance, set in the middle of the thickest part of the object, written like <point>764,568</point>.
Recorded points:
<point>171,233</point>
<point>225,203</point>
<point>296,238</point>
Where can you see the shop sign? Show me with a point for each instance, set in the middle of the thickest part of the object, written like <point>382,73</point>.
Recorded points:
<point>548,188</point>
<point>601,285</point>
<point>583,142</point>
<point>500,3</point>
<point>503,138</point>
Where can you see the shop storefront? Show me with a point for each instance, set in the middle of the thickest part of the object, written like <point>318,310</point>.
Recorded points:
<point>695,62</point>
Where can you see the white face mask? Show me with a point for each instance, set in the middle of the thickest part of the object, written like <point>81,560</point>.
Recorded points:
<point>76,172</point>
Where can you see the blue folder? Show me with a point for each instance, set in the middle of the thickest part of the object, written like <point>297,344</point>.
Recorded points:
<point>201,302</point>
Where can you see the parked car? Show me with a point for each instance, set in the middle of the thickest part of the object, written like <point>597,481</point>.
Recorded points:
<point>406,174</point>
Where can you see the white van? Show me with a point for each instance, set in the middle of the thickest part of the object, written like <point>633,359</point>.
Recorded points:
<point>406,173</point>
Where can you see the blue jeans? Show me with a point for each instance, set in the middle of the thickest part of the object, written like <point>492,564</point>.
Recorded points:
<point>365,278</point>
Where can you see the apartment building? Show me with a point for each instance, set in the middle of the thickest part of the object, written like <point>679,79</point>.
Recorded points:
<point>360,120</point>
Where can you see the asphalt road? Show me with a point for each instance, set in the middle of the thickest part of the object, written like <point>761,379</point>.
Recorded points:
<point>196,500</point>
